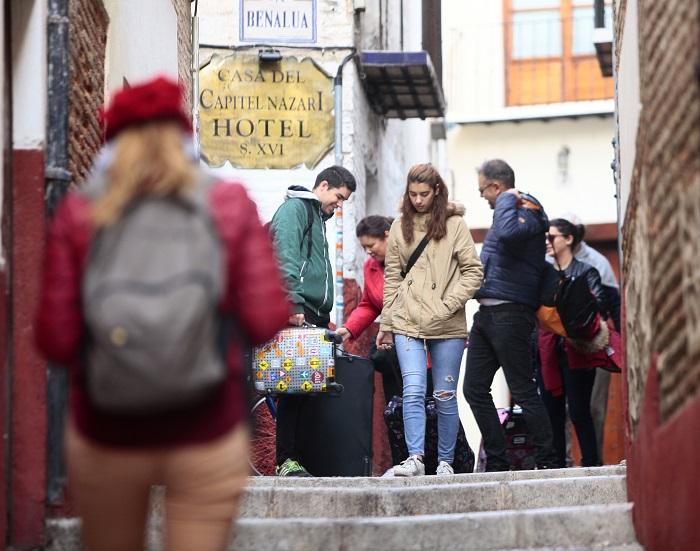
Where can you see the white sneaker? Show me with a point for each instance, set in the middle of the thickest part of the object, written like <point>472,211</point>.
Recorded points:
<point>444,469</point>
<point>413,466</point>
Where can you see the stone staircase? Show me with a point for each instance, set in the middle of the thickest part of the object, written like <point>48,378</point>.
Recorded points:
<point>564,509</point>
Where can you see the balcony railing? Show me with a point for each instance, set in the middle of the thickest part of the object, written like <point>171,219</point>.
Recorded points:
<point>534,59</point>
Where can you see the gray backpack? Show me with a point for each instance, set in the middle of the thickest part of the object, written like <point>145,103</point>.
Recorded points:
<point>150,295</point>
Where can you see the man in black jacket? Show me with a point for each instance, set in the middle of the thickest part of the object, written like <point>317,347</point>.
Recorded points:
<point>513,256</point>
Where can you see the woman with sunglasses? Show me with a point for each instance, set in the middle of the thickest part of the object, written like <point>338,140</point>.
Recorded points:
<point>563,383</point>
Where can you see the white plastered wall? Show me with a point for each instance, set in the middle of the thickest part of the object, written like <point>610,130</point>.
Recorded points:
<point>29,73</point>
<point>628,102</point>
<point>472,33</point>
<point>141,41</point>
<point>533,150</point>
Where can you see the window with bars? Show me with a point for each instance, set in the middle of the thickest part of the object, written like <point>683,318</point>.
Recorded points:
<point>550,56</point>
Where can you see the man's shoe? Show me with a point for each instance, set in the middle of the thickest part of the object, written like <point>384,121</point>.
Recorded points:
<point>291,468</point>
<point>413,466</point>
<point>444,469</point>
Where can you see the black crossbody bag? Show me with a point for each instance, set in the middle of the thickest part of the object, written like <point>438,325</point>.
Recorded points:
<point>415,255</point>
<point>387,360</point>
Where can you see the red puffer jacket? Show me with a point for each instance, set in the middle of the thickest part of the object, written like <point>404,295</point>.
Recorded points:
<point>255,297</point>
<point>372,299</point>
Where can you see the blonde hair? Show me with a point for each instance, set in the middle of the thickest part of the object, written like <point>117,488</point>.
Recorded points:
<point>148,160</point>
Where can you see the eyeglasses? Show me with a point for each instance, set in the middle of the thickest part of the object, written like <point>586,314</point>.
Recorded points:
<point>482,189</point>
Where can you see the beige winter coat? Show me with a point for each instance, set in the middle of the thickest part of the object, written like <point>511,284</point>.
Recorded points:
<point>429,303</point>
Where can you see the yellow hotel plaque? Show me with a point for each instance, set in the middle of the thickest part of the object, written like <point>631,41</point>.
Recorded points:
<point>269,115</point>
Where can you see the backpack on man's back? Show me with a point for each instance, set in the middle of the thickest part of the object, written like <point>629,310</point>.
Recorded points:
<point>151,291</point>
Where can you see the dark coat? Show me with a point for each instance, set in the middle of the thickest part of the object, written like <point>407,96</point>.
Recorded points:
<point>513,254</point>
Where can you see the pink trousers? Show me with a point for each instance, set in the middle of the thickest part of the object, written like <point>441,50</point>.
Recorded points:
<point>110,488</point>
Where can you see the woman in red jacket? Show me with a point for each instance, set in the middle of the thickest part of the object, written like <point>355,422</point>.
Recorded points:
<point>198,451</point>
<point>372,231</point>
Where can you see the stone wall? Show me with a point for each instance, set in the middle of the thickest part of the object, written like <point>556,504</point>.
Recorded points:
<point>184,47</point>
<point>662,219</point>
<point>88,40</point>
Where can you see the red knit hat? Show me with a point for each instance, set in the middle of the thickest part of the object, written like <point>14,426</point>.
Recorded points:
<point>156,99</point>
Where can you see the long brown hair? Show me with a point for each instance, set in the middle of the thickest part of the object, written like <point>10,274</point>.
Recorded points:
<point>148,160</point>
<point>425,173</point>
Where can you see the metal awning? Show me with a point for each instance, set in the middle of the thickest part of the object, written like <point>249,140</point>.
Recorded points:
<point>401,85</point>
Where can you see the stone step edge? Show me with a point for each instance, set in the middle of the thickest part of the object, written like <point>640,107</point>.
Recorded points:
<point>612,508</point>
<point>576,472</point>
<point>602,547</point>
<point>64,523</point>
<point>335,490</point>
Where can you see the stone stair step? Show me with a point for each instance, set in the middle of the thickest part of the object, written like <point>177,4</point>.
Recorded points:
<point>358,481</point>
<point>287,502</point>
<point>626,547</point>
<point>565,528</point>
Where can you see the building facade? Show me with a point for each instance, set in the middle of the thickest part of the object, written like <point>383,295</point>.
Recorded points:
<point>656,66</point>
<point>378,149</point>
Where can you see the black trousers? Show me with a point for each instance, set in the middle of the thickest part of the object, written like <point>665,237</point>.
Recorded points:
<point>501,337</point>
<point>292,410</point>
<point>578,387</point>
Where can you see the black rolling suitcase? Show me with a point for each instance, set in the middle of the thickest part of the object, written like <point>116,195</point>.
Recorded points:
<point>337,430</point>
<point>393,417</point>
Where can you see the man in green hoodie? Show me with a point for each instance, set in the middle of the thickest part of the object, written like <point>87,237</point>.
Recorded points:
<point>302,249</point>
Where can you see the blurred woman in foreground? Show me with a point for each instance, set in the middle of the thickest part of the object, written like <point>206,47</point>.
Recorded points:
<point>196,449</point>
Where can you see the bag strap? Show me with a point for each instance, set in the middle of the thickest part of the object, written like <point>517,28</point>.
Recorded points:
<point>414,255</point>
<point>307,230</point>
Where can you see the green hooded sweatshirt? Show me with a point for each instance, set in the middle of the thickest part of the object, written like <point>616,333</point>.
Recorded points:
<point>310,283</point>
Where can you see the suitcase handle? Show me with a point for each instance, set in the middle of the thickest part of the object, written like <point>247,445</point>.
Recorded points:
<point>334,337</point>
<point>334,388</point>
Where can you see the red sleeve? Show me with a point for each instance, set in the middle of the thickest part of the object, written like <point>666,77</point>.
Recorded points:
<point>59,320</point>
<point>367,311</point>
<point>255,293</point>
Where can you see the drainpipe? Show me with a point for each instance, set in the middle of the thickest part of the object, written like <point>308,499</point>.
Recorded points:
<point>338,150</point>
<point>194,70</point>
<point>58,179</point>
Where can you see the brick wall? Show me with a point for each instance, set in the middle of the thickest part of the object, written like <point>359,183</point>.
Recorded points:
<point>662,222</point>
<point>88,39</point>
<point>184,47</point>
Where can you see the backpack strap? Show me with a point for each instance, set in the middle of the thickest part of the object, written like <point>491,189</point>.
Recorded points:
<point>307,230</point>
<point>414,255</point>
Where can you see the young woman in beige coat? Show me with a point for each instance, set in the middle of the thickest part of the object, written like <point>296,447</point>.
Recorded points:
<point>424,311</point>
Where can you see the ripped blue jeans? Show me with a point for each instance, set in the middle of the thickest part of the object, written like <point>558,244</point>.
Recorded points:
<point>446,357</point>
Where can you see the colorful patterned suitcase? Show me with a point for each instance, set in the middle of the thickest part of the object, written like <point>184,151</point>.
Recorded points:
<point>298,360</point>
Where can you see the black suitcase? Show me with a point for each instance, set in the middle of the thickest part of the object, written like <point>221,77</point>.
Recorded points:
<point>337,430</point>
<point>393,417</point>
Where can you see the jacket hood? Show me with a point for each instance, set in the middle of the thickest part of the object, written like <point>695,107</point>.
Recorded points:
<point>455,209</point>
<point>300,192</point>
